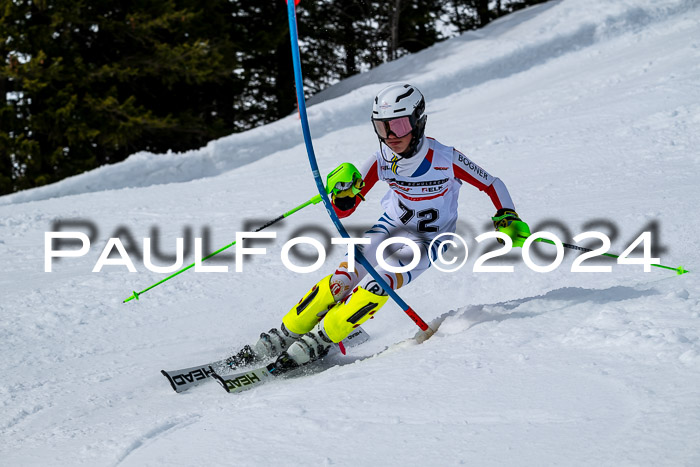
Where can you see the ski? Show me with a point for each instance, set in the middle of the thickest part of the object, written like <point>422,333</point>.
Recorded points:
<point>186,378</point>
<point>244,380</point>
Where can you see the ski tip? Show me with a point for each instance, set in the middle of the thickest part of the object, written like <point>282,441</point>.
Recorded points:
<point>221,381</point>
<point>680,270</point>
<point>170,380</point>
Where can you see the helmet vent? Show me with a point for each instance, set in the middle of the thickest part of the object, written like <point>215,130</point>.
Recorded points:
<point>404,95</point>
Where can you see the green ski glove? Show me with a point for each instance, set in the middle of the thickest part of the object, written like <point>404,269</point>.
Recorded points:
<point>507,221</point>
<point>344,184</point>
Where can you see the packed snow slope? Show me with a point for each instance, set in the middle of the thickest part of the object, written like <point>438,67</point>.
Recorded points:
<point>588,110</point>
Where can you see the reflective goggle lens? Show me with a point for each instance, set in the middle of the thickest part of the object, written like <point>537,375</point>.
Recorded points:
<point>400,127</point>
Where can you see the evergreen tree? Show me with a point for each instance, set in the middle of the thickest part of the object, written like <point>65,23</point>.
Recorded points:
<point>85,83</point>
<point>466,15</point>
<point>418,25</point>
<point>340,39</point>
<point>92,82</point>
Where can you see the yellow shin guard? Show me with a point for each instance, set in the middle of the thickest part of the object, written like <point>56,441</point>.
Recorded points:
<point>311,308</point>
<point>344,317</point>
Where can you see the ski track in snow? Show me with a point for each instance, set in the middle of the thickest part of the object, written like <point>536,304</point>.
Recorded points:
<point>589,111</point>
<point>161,430</point>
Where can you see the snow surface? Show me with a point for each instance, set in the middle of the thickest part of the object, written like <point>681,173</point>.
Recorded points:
<point>588,110</point>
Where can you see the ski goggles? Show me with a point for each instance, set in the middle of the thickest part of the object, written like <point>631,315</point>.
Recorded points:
<point>400,127</point>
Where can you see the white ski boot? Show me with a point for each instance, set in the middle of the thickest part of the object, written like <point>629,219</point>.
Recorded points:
<point>312,346</point>
<point>271,344</point>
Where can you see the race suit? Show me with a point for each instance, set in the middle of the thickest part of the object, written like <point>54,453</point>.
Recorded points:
<point>420,205</point>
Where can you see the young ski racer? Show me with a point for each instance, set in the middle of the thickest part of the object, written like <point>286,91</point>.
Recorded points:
<point>424,177</point>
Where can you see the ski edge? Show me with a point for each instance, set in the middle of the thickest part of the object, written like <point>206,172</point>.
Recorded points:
<point>186,378</point>
<point>244,380</point>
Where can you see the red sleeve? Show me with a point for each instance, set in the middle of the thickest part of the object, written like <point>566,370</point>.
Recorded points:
<point>371,176</point>
<point>468,171</point>
<point>489,190</point>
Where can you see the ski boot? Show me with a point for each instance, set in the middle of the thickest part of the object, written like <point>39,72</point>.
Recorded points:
<point>312,346</point>
<point>299,320</point>
<point>271,344</point>
<point>337,325</point>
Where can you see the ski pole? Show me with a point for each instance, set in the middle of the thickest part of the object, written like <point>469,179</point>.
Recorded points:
<point>296,59</point>
<point>315,200</point>
<point>679,270</point>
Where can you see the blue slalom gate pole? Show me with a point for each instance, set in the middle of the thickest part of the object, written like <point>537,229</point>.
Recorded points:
<point>291,11</point>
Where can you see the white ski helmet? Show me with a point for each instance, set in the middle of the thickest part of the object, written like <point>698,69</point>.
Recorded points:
<point>400,109</point>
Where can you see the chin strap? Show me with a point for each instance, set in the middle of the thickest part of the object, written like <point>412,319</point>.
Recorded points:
<point>413,147</point>
<point>412,150</point>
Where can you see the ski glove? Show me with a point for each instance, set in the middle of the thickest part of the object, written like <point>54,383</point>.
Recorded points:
<point>507,221</point>
<point>344,194</point>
